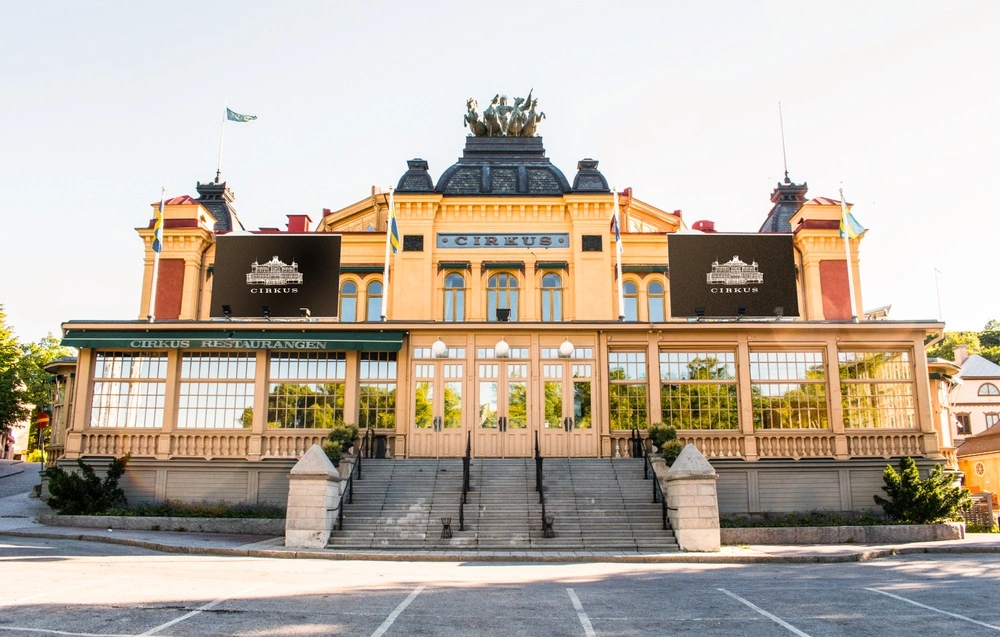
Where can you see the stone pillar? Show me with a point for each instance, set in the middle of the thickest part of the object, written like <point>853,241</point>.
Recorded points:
<point>313,501</point>
<point>693,501</point>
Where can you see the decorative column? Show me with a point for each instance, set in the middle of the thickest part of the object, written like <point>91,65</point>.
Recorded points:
<point>313,501</point>
<point>692,501</point>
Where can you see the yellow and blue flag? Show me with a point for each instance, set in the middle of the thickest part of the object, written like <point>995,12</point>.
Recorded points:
<point>393,230</point>
<point>849,226</point>
<point>158,228</point>
<point>233,116</point>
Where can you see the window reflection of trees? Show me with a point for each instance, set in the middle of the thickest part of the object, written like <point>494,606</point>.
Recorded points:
<point>788,390</point>
<point>700,390</point>
<point>876,390</point>
<point>627,390</point>
<point>306,390</point>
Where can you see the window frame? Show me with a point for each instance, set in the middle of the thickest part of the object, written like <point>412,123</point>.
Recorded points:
<point>210,386</point>
<point>701,394</point>
<point>344,296</point>
<point>633,391</point>
<point>136,404</point>
<point>510,292</point>
<point>552,298</point>
<point>985,390</point>
<point>890,396</point>
<point>454,298</point>
<point>310,360</point>
<point>369,298</point>
<point>814,390</point>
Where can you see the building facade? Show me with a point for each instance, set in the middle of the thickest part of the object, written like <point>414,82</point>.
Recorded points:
<point>504,322</point>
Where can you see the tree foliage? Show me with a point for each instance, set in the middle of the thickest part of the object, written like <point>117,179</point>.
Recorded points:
<point>985,343</point>
<point>914,500</point>
<point>84,493</point>
<point>12,391</point>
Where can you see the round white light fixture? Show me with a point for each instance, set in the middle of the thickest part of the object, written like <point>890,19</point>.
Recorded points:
<point>501,349</point>
<point>566,349</point>
<point>439,349</point>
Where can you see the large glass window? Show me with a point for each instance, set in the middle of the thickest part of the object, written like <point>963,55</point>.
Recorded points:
<point>988,389</point>
<point>630,293</point>
<point>377,390</point>
<point>128,389</point>
<point>374,294</point>
<point>502,291</point>
<point>349,302</point>
<point>657,302</point>
<point>216,391</point>
<point>789,390</point>
<point>627,390</point>
<point>877,390</point>
<point>306,390</point>
<point>552,297</point>
<point>454,297</point>
<point>698,390</point>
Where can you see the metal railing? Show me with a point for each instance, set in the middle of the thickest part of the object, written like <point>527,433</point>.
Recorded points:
<point>658,496</point>
<point>348,493</point>
<point>547,520</point>
<point>466,486</point>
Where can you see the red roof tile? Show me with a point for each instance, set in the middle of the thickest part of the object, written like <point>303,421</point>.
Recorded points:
<point>176,201</point>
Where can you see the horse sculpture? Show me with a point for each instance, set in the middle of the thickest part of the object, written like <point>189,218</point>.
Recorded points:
<point>472,120</point>
<point>491,116</point>
<point>532,119</point>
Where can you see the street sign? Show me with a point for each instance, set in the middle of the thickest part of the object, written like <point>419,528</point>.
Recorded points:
<point>42,420</point>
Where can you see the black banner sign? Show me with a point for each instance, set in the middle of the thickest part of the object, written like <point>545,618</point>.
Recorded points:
<point>731,275</point>
<point>276,275</point>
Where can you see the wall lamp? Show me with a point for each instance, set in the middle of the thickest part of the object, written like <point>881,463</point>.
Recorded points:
<point>228,312</point>
<point>266,311</point>
<point>439,349</point>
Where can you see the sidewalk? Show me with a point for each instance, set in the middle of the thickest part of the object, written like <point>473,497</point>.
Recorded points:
<point>19,513</point>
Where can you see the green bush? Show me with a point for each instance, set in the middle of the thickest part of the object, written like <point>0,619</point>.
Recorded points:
<point>671,449</point>
<point>811,518</point>
<point>35,455</point>
<point>84,493</point>
<point>333,451</point>
<point>175,509</point>
<point>345,434</point>
<point>660,434</point>
<point>972,527</point>
<point>913,500</point>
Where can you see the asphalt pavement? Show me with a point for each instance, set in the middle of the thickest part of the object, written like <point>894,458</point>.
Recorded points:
<point>19,518</point>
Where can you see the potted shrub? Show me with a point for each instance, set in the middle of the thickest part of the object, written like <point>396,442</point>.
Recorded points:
<point>670,450</point>
<point>664,438</point>
<point>340,439</point>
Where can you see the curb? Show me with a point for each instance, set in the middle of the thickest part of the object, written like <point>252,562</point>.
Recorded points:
<point>657,558</point>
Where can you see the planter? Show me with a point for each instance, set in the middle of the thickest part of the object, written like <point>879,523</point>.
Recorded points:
<point>248,526</point>
<point>876,534</point>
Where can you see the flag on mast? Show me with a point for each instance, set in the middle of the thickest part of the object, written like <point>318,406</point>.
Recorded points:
<point>233,116</point>
<point>616,227</point>
<point>158,227</point>
<point>849,226</point>
<point>393,228</point>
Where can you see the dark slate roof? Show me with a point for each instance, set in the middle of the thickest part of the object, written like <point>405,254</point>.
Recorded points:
<point>787,198</point>
<point>983,442</point>
<point>218,200</point>
<point>976,366</point>
<point>496,166</point>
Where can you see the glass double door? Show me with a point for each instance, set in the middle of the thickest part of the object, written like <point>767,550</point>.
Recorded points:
<point>567,428</point>
<point>438,425</point>
<point>502,429</point>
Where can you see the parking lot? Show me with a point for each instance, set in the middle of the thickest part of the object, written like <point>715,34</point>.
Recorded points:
<point>62,587</point>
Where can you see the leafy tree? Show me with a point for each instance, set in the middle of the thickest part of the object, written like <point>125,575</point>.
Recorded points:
<point>12,390</point>
<point>37,381</point>
<point>84,493</point>
<point>917,501</point>
<point>946,348</point>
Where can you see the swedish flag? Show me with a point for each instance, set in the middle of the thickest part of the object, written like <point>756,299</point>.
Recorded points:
<point>849,226</point>
<point>233,116</point>
<point>393,230</point>
<point>158,228</point>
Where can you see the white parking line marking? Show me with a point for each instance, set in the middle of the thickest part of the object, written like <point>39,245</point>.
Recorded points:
<point>775,619</point>
<point>588,628</point>
<point>63,633</point>
<point>936,610</point>
<point>394,614</point>
<point>153,631</point>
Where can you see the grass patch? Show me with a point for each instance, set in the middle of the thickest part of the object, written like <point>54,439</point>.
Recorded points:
<point>175,509</point>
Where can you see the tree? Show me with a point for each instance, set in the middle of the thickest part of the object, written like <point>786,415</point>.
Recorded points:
<point>946,348</point>
<point>917,501</point>
<point>12,390</point>
<point>37,381</point>
<point>701,406</point>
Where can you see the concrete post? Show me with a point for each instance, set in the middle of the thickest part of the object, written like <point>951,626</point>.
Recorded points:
<point>313,501</point>
<point>693,501</point>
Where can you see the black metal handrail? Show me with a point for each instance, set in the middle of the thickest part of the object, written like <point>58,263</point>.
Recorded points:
<point>348,493</point>
<point>547,520</point>
<point>638,444</point>
<point>466,486</point>
<point>647,471</point>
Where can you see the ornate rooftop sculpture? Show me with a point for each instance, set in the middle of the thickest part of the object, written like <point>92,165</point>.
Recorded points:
<point>501,119</point>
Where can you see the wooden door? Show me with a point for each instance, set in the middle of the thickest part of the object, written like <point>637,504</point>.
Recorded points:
<point>438,428</point>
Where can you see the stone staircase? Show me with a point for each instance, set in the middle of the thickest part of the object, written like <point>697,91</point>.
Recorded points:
<point>598,504</point>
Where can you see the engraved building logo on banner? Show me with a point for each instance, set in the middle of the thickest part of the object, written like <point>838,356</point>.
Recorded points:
<point>734,273</point>
<point>274,277</point>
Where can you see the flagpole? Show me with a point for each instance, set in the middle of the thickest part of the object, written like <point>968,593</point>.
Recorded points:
<point>847,251</point>
<point>937,291</point>
<point>618,255</point>
<point>385,274</point>
<point>157,235</point>
<point>222,135</point>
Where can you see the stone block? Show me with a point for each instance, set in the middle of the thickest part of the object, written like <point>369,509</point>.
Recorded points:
<point>704,540</point>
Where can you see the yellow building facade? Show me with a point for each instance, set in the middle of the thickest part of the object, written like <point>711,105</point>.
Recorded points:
<point>504,323</point>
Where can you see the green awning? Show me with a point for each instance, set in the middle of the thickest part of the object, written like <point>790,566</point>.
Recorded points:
<point>236,339</point>
<point>373,268</point>
<point>644,269</point>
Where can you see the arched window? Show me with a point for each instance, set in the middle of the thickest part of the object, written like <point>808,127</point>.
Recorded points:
<point>552,297</point>
<point>454,297</point>
<point>374,301</point>
<point>657,313</point>
<point>501,294</point>
<point>348,302</point>
<point>988,389</point>
<point>631,293</point>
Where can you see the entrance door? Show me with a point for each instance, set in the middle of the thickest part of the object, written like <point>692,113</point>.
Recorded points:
<point>502,429</point>
<point>567,424</point>
<point>438,429</point>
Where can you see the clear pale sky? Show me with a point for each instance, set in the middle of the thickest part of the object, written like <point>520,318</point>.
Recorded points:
<point>102,103</point>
